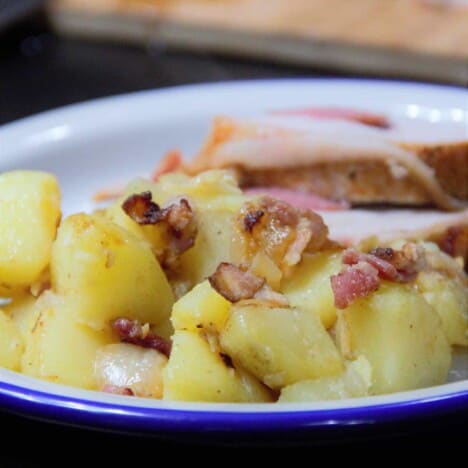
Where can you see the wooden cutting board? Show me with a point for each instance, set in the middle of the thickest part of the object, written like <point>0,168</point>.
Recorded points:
<point>407,38</point>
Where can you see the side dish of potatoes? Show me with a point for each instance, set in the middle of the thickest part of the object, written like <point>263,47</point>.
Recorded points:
<point>187,289</point>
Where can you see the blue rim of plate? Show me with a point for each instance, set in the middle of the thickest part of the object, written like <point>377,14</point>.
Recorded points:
<point>141,419</point>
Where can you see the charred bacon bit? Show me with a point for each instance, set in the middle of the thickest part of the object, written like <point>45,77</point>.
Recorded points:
<point>178,218</point>
<point>251,219</point>
<point>227,360</point>
<point>234,283</point>
<point>131,331</point>
<point>385,269</point>
<point>142,209</point>
<point>114,389</point>
<point>354,282</point>
<point>394,265</point>
<point>283,232</point>
<point>408,261</point>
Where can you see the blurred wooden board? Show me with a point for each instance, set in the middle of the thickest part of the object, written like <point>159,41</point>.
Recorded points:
<point>407,38</point>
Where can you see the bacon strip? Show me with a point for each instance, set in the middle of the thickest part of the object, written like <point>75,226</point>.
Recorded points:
<point>362,272</point>
<point>234,283</point>
<point>353,283</point>
<point>142,209</point>
<point>303,200</point>
<point>178,218</point>
<point>366,118</point>
<point>131,331</point>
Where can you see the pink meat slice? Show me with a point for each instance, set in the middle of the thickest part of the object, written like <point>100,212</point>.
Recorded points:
<point>299,199</point>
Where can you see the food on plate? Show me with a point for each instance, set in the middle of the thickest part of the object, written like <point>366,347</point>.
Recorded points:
<point>30,212</point>
<point>191,287</point>
<point>340,158</point>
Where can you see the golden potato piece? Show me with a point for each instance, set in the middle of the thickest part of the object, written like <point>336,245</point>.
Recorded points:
<point>450,300</point>
<point>29,214</point>
<point>354,382</point>
<point>24,313</point>
<point>400,334</point>
<point>128,366</point>
<point>196,373</point>
<point>106,273</point>
<point>309,286</point>
<point>11,343</point>
<point>279,346</point>
<point>60,349</point>
<point>202,307</point>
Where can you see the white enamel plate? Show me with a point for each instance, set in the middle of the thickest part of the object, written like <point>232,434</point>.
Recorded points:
<point>110,141</point>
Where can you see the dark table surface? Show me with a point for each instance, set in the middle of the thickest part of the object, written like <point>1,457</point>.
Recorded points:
<point>39,71</point>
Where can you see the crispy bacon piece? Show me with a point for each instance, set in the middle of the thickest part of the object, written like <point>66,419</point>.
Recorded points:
<point>383,267</point>
<point>282,231</point>
<point>234,283</point>
<point>142,209</point>
<point>407,261</point>
<point>252,218</point>
<point>362,272</point>
<point>114,389</point>
<point>178,218</point>
<point>366,118</point>
<point>394,265</point>
<point>131,331</point>
<point>354,282</point>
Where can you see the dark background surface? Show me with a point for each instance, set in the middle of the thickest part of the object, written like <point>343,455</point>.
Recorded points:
<point>39,71</point>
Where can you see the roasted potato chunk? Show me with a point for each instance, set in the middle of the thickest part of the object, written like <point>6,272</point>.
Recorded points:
<point>106,273</point>
<point>400,334</point>
<point>309,286</point>
<point>11,343</point>
<point>131,367</point>
<point>280,346</point>
<point>201,308</point>
<point>29,214</point>
<point>59,348</point>
<point>449,298</point>
<point>354,382</point>
<point>195,372</point>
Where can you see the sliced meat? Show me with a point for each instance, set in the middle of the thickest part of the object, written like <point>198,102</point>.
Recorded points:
<point>341,159</point>
<point>299,199</point>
